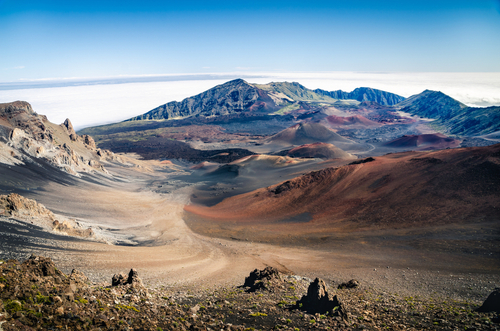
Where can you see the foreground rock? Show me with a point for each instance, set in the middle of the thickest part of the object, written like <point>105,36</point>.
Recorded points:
<point>318,300</point>
<point>35,295</point>
<point>492,303</point>
<point>262,279</point>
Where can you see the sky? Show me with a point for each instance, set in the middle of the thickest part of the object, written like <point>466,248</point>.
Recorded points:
<point>44,39</point>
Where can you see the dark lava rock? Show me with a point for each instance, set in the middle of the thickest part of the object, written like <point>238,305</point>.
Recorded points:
<point>262,279</point>
<point>492,303</point>
<point>133,279</point>
<point>368,159</point>
<point>41,266</point>
<point>318,300</point>
<point>353,283</point>
<point>119,279</point>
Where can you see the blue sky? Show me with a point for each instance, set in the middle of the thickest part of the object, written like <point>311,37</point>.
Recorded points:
<point>56,39</point>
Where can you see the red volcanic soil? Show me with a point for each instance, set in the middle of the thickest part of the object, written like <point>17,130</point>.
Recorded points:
<point>403,190</point>
<point>424,142</point>
<point>319,150</point>
<point>356,120</point>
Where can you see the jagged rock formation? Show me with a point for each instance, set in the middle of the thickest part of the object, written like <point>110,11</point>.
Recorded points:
<point>26,136</point>
<point>131,280</point>
<point>364,94</point>
<point>318,300</point>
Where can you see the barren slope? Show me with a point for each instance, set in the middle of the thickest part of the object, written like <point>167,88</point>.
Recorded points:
<point>405,190</point>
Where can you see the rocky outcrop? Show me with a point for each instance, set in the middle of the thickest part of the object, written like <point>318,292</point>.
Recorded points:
<point>26,136</point>
<point>131,280</point>
<point>28,210</point>
<point>69,128</point>
<point>262,279</point>
<point>19,206</point>
<point>318,300</point>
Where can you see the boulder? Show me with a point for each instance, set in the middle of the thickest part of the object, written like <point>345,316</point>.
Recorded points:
<point>261,279</point>
<point>119,279</point>
<point>133,279</point>
<point>318,300</point>
<point>492,303</point>
<point>353,283</point>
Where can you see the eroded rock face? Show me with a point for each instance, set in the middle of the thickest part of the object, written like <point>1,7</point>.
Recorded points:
<point>26,136</point>
<point>17,205</point>
<point>28,210</point>
<point>318,300</point>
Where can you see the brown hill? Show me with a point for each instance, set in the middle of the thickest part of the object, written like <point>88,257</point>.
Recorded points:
<point>424,142</point>
<point>403,190</point>
<point>352,121</point>
<point>321,151</point>
<point>307,133</point>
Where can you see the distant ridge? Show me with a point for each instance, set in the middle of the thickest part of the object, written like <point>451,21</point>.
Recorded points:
<point>364,94</point>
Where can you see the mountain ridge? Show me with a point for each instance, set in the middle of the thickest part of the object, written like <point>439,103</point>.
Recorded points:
<point>238,96</point>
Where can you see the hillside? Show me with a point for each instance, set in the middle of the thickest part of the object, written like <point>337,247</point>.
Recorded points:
<point>233,96</point>
<point>452,115</point>
<point>319,150</point>
<point>307,133</point>
<point>28,138</point>
<point>424,142</point>
<point>405,190</point>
